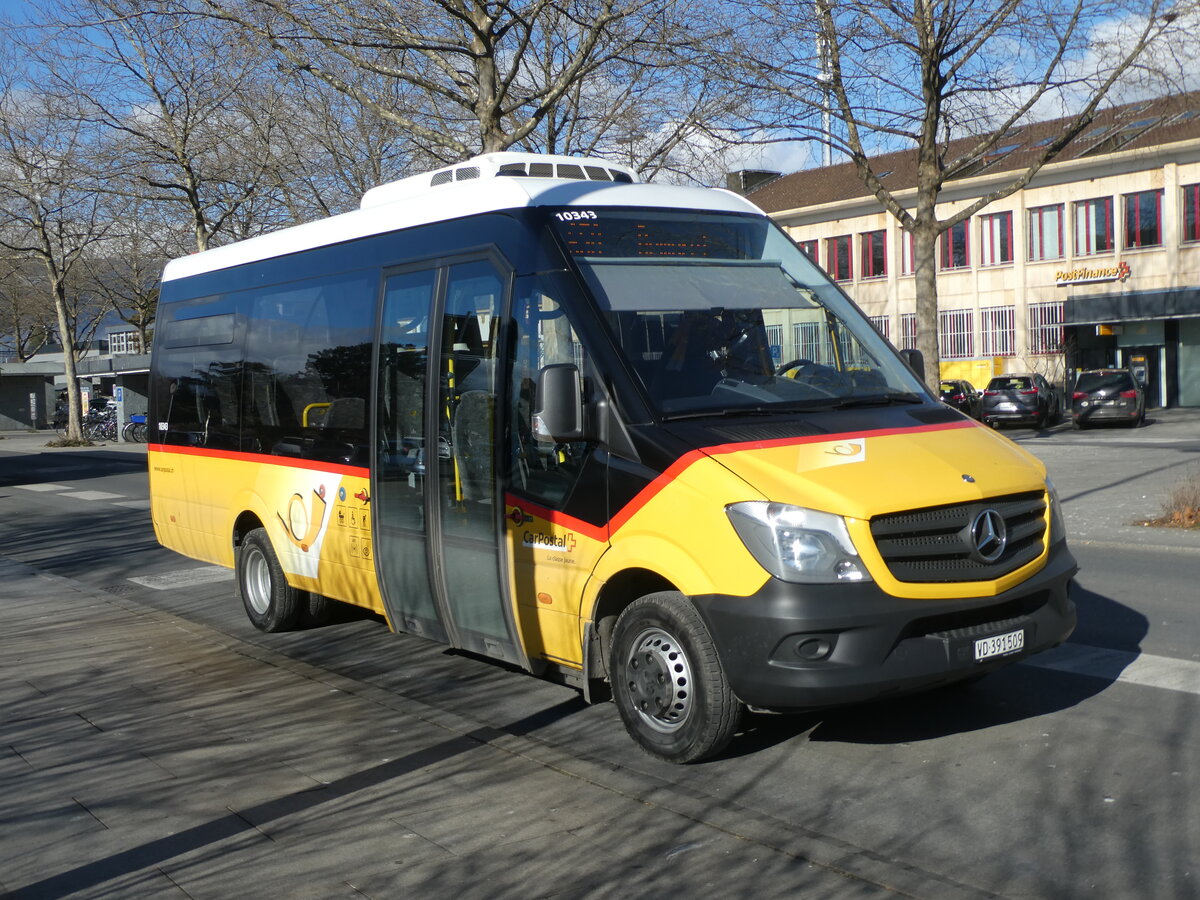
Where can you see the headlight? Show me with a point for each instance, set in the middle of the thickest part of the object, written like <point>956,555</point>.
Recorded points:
<point>1058,527</point>
<point>797,544</point>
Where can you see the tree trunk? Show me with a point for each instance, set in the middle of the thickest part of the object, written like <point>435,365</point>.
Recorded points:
<point>67,337</point>
<point>925,265</point>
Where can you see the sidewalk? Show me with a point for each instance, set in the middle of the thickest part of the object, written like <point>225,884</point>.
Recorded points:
<point>36,441</point>
<point>147,756</point>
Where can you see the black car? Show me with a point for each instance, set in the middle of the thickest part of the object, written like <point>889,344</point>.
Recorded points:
<point>1107,395</point>
<point>1020,399</point>
<point>961,395</point>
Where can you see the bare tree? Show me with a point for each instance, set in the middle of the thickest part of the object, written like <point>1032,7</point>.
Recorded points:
<point>193,108</point>
<point>124,271</point>
<point>26,314</point>
<point>922,76</point>
<point>334,150</point>
<point>463,76</point>
<point>50,214</point>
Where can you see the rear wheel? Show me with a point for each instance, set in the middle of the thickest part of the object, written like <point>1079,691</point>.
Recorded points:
<point>667,680</point>
<point>271,603</point>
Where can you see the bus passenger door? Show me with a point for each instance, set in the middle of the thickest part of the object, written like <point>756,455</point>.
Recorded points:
<point>438,509</point>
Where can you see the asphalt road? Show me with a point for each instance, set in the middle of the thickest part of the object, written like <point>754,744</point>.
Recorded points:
<point>1074,774</point>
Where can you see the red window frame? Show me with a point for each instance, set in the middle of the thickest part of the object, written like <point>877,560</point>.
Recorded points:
<point>1037,232</point>
<point>995,252</point>
<point>1191,213</point>
<point>1138,225</point>
<point>955,247</point>
<point>839,258</point>
<point>873,253</point>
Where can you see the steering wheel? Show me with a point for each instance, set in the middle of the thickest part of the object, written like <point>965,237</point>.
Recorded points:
<point>794,364</point>
<point>821,377</point>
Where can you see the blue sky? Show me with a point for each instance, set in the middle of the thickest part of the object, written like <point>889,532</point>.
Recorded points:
<point>13,9</point>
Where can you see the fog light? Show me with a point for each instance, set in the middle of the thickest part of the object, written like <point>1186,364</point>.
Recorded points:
<point>848,570</point>
<point>814,648</point>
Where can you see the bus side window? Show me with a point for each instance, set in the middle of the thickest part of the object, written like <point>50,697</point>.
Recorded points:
<point>308,363</point>
<point>542,470</point>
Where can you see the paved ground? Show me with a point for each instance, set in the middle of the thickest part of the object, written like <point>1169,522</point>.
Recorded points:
<point>145,755</point>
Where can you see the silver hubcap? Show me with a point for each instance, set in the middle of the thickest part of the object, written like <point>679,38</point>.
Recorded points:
<point>660,680</point>
<point>256,580</point>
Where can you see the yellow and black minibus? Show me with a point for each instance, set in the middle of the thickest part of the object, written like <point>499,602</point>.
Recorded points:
<point>627,433</point>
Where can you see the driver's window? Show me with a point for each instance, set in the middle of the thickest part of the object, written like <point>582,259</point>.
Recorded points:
<point>540,469</point>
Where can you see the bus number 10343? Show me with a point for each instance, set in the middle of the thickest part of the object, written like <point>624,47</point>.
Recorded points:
<point>575,215</point>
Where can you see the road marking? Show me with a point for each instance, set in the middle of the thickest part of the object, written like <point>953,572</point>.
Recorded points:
<point>185,578</point>
<point>41,487</point>
<point>134,504</point>
<point>1122,665</point>
<point>92,495</point>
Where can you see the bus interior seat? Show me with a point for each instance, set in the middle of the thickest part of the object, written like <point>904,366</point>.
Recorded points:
<point>472,435</point>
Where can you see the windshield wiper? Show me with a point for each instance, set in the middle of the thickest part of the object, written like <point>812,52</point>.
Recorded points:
<point>902,398</point>
<point>723,412</point>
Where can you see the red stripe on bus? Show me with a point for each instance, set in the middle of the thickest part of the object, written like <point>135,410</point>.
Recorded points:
<point>650,491</point>
<point>587,529</point>
<point>287,462</point>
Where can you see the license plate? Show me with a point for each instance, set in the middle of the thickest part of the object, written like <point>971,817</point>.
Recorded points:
<point>999,645</point>
<point>1006,406</point>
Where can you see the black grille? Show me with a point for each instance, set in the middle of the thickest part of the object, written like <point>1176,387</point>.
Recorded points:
<point>936,544</point>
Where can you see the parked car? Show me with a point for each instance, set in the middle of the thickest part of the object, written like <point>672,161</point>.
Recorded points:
<point>962,396</point>
<point>1108,395</point>
<point>1020,399</point>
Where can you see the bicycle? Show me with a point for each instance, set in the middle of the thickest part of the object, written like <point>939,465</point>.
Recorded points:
<point>135,430</point>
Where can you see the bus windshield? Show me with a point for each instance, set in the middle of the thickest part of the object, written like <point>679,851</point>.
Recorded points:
<point>722,314</point>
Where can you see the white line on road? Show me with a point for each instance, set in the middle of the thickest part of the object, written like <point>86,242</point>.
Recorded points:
<point>134,504</point>
<point>1122,665</point>
<point>185,578</point>
<point>41,487</point>
<point>91,495</point>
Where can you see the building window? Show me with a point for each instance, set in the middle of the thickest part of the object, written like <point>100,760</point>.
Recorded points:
<point>873,245</point>
<point>1143,219</point>
<point>813,343</point>
<point>955,253</point>
<point>1191,212</point>
<point>956,333</point>
<point>908,331</point>
<point>809,248</point>
<point>907,264</point>
<point>1094,227</point>
<point>1046,232</point>
<point>1045,331</point>
<point>123,343</point>
<point>998,333</point>
<point>883,324</point>
<point>995,239</point>
<point>838,258</point>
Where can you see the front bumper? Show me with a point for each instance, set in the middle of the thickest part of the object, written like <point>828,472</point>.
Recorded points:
<point>793,647</point>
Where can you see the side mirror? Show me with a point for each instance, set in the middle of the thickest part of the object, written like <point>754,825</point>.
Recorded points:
<point>915,360</point>
<point>559,416</point>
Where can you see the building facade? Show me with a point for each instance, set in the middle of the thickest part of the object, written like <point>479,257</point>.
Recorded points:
<point>1095,263</point>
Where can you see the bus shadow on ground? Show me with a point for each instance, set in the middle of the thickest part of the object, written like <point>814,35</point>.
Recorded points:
<point>1011,694</point>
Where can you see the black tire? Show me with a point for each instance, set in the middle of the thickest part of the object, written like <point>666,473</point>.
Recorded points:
<point>271,603</point>
<point>318,610</point>
<point>667,680</point>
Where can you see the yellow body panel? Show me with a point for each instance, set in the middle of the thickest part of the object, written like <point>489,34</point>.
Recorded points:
<point>318,518</point>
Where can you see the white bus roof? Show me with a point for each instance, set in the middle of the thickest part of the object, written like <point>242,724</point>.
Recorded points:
<point>494,181</point>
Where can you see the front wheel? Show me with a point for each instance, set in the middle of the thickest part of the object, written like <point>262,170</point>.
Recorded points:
<point>271,603</point>
<point>667,680</point>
